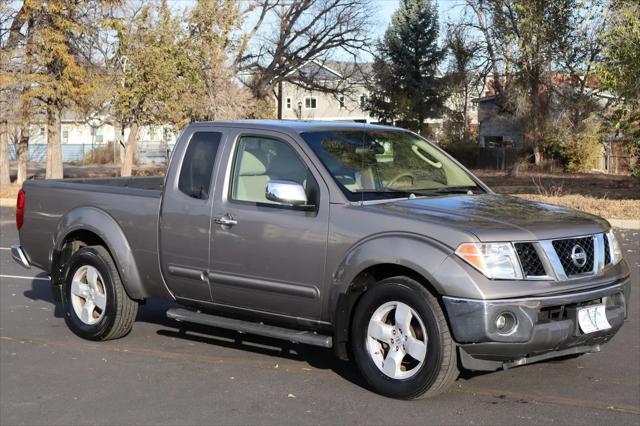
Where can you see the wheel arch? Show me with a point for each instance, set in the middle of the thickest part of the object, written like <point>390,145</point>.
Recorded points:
<point>85,226</point>
<point>370,261</point>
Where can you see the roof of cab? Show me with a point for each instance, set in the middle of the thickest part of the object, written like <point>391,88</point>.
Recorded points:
<point>297,126</point>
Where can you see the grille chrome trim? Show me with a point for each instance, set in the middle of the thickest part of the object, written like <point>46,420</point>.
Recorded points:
<point>549,254</point>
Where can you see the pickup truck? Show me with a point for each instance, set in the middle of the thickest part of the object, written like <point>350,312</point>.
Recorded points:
<point>366,239</point>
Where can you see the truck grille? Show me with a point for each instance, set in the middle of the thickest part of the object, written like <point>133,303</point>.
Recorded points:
<point>529,259</point>
<point>568,249</point>
<point>607,253</point>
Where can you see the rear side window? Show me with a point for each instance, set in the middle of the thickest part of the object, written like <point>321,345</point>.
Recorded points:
<point>197,166</point>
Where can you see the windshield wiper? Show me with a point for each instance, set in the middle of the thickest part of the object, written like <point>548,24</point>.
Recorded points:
<point>388,192</point>
<point>447,190</point>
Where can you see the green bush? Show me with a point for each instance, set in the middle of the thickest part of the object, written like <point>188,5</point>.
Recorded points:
<point>465,152</point>
<point>581,152</point>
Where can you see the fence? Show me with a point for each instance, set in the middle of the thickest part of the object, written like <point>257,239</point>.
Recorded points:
<point>505,158</point>
<point>148,152</point>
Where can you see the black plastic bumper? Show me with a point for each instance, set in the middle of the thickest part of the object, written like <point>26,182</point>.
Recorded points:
<point>546,327</point>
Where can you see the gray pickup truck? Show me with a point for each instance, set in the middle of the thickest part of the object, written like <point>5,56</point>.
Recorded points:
<point>366,239</point>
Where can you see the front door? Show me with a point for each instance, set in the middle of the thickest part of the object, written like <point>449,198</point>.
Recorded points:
<point>266,256</point>
<point>185,215</point>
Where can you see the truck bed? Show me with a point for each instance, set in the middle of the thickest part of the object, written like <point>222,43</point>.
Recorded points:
<point>134,203</point>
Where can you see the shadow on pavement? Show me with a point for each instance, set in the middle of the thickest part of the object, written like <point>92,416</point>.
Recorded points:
<point>41,290</point>
<point>154,312</point>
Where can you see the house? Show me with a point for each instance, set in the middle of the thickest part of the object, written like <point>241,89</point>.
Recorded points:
<point>495,127</point>
<point>79,136</point>
<point>346,80</point>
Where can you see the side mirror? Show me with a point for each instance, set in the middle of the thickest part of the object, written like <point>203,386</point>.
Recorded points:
<point>286,192</point>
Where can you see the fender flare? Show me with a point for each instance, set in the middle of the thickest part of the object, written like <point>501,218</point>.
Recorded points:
<point>104,226</point>
<point>418,253</point>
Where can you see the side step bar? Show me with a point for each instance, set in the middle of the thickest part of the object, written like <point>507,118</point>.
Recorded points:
<point>297,336</point>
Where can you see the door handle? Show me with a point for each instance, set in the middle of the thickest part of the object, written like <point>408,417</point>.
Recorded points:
<point>226,220</point>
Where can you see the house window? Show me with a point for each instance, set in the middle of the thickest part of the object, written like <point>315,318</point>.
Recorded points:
<point>341,99</point>
<point>99,136</point>
<point>167,134</point>
<point>310,102</point>
<point>288,103</point>
<point>153,133</point>
<point>65,136</point>
<point>363,101</point>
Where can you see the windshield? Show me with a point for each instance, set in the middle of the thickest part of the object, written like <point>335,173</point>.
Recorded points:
<point>374,164</point>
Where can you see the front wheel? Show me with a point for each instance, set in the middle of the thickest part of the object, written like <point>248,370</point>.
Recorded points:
<point>97,306</point>
<point>401,341</point>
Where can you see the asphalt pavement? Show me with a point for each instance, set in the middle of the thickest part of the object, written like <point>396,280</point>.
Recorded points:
<point>163,373</point>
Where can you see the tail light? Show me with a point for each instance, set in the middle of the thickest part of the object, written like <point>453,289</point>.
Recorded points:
<point>21,201</point>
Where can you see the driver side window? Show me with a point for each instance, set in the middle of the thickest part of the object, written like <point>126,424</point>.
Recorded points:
<point>259,160</point>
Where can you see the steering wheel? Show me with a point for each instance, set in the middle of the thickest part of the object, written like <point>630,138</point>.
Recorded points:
<point>402,175</point>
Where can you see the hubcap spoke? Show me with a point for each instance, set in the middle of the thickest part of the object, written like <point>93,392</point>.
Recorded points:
<point>87,311</point>
<point>416,348</point>
<point>392,363</point>
<point>92,278</point>
<point>403,317</point>
<point>380,331</point>
<point>79,289</point>
<point>100,300</point>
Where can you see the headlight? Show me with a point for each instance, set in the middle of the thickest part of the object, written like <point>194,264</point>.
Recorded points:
<point>614,248</point>
<point>494,260</point>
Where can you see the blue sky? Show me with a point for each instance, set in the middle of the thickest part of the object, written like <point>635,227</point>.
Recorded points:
<point>448,10</point>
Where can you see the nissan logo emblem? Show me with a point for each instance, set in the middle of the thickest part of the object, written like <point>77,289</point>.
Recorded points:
<point>578,256</point>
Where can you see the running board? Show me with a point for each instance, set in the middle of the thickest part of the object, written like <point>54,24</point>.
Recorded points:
<point>296,336</point>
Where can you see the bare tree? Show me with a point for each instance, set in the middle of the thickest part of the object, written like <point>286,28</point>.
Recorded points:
<point>302,30</point>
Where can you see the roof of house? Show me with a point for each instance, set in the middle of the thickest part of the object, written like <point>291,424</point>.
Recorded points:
<point>332,70</point>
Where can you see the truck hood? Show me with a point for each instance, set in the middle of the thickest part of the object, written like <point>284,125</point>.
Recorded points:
<point>494,217</point>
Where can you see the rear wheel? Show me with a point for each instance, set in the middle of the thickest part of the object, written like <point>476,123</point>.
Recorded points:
<point>401,341</point>
<point>96,304</point>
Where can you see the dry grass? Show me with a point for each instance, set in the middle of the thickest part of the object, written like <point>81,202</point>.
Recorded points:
<point>609,196</point>
<point>609,209</point>
<point>9,191</point>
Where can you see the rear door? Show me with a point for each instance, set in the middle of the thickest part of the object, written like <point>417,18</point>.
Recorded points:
<point>264,256</point>
<point>185,215</point>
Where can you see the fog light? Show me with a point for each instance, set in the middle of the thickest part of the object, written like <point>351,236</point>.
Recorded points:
<point>506,323</point>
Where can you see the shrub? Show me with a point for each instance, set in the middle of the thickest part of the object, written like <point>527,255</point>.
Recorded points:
<point>582,151</point>
<point>465,152</point>
<point>102,154</point>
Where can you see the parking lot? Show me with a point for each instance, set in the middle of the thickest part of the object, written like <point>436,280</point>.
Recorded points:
<point>164,374</point>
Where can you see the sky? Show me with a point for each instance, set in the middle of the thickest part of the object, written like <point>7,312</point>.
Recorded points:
<point>449,10</point>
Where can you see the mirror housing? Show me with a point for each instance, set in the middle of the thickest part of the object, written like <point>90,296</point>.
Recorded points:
<point>286,192</point>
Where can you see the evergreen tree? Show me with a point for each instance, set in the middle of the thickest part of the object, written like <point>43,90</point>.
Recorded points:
<point>406,85</point>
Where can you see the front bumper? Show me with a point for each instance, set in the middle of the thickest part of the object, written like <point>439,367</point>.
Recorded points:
<point>546,326</point>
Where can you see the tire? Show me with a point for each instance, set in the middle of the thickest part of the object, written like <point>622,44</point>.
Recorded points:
<point>97,306</point>
<point>410,378</point>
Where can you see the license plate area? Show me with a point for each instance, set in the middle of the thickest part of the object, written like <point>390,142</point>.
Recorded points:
<point>592,318</point>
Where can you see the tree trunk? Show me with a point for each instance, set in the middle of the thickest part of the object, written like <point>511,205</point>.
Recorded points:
<point>5,177</point>
<point>22,154</point>
<point>119,142</point>
<point>537,153</point>
<point>54,150</point>
<point>129,153</point>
